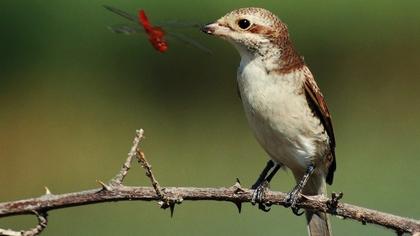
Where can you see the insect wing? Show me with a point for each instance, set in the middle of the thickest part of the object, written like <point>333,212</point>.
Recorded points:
<point>121,13</point>
<point>187,40</point>
<point>175,24</point>
<point>156,39</point>
<point>126,29</point>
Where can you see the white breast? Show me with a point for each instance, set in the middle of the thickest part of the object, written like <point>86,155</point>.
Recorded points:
<point>278,113</point>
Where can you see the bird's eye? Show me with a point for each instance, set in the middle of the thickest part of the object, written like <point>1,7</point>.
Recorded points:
<point>244,23</point>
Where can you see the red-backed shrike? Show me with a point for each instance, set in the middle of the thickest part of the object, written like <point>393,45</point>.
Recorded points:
<point>283,105</point>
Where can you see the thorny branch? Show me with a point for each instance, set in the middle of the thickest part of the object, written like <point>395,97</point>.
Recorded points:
<point>169,196</point>
<point>165,201</point>
<point>143,161</point>
<point>119,178</point>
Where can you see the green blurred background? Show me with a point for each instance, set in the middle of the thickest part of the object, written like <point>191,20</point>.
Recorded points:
<point>72,94</point>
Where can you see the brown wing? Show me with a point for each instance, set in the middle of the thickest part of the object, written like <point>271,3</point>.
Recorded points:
<point>319,107</point>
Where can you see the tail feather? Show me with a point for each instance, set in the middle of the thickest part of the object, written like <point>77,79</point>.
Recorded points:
<point>318,222</point>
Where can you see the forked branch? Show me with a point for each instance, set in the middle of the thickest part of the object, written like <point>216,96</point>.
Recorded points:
<point>169,196</point>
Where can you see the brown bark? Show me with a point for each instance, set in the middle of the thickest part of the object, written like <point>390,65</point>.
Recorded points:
<point>168,197</point>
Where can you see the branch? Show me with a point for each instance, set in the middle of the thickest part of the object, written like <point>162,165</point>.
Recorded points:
<point>169,196</point>
<point>42,224</point>
<point>119,178</point>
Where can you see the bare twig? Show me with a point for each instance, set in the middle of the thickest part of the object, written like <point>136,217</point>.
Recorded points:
<point>149,173</point>
<point>119,178</point>
<point>9,232</point>
<point>116,191</point>
<point>42,224</point>
<point>165,201</point>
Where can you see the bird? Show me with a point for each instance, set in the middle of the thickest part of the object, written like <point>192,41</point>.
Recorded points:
<point>284,108</point>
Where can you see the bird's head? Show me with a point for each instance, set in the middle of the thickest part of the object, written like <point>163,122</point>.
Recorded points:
<point>256,32</point>
<point>249,29</point>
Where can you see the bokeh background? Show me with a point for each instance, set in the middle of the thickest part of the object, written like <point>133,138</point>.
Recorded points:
<point>72,94</point>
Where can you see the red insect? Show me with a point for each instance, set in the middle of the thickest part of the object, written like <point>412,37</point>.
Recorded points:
<point>155,34</point>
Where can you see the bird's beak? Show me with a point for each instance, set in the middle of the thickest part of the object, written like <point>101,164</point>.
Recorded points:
<point>216,29</point>
<point>209,28</point>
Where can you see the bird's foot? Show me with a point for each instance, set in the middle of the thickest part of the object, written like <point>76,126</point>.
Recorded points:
<point>293,197</point>
<point>291,201</point>
<point>258,196</point>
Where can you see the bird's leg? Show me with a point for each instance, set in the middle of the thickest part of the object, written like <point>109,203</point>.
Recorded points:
<point>262,183</point>
<point>270,164</point>
<point>293,196</point>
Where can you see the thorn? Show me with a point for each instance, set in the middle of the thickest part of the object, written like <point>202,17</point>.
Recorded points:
<point>170,203</point>
<point>103,185</point>
<point>400,233</point>
<point>239,206</point>
<point>237,186</point>
<point>172,208</point>
<point>47,190</point>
